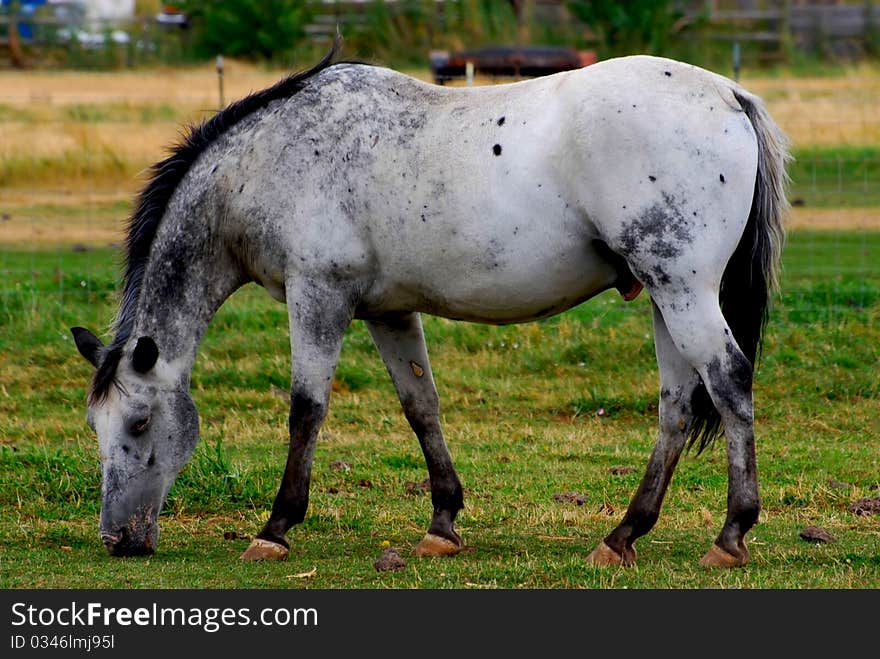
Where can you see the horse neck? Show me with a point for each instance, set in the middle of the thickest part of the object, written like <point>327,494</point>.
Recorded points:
<point>187,278</point>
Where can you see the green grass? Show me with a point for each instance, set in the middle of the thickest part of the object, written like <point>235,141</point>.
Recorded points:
<point>520,407</point>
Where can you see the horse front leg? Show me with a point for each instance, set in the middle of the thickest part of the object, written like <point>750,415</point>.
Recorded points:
<point>319,317</point>
<point>401,343</point>
<point>678,380</point>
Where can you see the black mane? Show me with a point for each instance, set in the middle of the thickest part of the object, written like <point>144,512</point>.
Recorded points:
<point>153,200</point>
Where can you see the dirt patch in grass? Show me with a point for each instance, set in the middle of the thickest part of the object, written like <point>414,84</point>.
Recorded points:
<point>390,561</point>
<point>866,506</point>
<point>816,534</point>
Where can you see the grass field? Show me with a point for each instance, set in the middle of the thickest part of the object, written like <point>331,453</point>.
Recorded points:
<point>521,409</point>
<point>529,411</point>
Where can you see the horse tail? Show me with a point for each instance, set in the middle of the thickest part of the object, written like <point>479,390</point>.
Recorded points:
<point>751,275</point>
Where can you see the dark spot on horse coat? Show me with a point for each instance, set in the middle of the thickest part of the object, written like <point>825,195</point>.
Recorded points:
<point>662,277</point>
<point>501,121</point>
<point>652,178</point>
<point>667,73</point>
<point>660,231</point>
<point>733,383</point>
<point>171,278</point>
<point>721,177</point>
<point>496,149</point>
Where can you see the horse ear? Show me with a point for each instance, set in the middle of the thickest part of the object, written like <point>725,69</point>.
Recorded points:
<point>88,344</point>
<point>145,354</point>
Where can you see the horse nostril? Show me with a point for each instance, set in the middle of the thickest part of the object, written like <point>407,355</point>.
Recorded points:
<point>113,543</point>
<point>110,539</point>
<point>152,460</point>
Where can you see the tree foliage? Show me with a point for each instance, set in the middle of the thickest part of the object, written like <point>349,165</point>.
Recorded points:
<point>628,28</point>
<point>257,29</point>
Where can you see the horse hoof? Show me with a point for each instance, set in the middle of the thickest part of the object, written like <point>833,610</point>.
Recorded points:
<point>604,555</point>
<point>264,550</point>
<point>434,545</point>
<point>717,557</point>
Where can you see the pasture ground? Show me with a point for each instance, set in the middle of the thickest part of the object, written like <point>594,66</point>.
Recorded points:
<point>530,411</point>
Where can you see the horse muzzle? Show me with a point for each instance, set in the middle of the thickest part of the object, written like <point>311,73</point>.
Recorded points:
<point>138,537</point>
<point>141,541</point>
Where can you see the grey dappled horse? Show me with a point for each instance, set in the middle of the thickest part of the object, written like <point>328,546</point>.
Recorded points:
<point>352,191</point>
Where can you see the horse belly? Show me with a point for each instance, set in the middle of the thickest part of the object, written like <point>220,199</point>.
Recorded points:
<point>489,285</point>
<point>527,294</point>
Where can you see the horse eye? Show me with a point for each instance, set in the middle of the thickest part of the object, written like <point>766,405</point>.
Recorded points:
<point>139,426</point>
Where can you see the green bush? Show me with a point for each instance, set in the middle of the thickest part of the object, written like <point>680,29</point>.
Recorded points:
<point>255,29</point>
<point>624,28</point>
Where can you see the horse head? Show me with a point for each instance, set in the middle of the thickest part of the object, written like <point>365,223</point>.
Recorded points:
<point>147,428</point>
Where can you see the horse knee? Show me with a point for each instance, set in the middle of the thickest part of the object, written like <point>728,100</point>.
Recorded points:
<point>422,413</point>
<point>306,412</point>
<point>676,414</point>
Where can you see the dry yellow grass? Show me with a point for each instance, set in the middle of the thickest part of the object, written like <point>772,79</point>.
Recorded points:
<point>51,157</point>
<point>825,111</point>
<point>126,142</point>
<point>834,219</point>
<point>192,86</point>
<point>44,218</point>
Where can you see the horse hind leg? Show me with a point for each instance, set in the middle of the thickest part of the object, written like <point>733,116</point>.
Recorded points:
<point>319,316</point>
<point>678,380</point>
<point>401,343</point>
<point>704,338</point>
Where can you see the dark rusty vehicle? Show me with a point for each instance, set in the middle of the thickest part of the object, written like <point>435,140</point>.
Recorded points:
<point>508,61</point>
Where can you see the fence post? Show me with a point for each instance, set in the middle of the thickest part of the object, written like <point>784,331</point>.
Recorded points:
<point>872,30</point>
<point>220,78</point>
<point>15,52</point>
<point>786,40</point>
<point>736,60</point>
